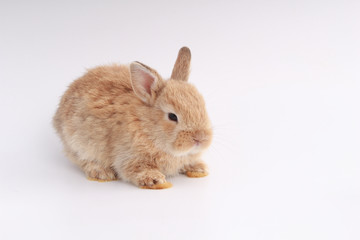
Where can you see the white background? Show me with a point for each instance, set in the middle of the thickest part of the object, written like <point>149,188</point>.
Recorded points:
<point>281,80</point>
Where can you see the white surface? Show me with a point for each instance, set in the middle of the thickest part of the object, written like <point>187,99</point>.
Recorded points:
<point>281,80</point>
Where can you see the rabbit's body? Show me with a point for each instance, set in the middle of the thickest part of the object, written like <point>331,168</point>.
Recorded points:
<point>115,123</point>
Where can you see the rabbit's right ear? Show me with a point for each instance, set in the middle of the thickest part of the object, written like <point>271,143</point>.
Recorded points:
<point>145,81</point>
<point>181,68</point>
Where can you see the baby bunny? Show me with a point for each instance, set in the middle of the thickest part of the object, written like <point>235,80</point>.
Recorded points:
<point>126,122</point>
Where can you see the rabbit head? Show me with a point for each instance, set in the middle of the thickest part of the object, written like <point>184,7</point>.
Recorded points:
<point>177,119</point>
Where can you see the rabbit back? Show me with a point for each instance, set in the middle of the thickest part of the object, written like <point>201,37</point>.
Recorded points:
<point>91,110</point>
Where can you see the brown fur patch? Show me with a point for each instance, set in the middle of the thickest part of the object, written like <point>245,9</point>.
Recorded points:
<point>100,180</point>
<point>158,186</point>
<point>196,174</point>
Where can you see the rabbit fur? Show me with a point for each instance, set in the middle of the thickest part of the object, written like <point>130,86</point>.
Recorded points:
<point>114,123</point>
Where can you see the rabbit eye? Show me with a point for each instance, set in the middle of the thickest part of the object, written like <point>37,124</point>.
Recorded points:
<point>172,117</point>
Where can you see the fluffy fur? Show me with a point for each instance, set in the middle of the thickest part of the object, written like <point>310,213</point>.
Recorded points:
<point>114,124</point>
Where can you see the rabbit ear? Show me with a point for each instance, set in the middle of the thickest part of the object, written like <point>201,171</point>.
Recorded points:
<point>145,81</point>
<point>181,69</point>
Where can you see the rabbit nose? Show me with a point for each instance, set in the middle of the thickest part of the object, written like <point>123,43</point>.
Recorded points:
<point>199,137</point>
<point>197,142</point>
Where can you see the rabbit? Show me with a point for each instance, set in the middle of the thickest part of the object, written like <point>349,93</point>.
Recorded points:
<point>126,122</point>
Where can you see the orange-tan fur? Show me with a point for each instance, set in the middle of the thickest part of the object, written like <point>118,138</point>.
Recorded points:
<point>114,124</point>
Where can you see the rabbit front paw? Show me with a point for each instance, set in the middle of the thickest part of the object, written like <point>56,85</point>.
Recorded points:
<point>153,180</point>
<point>196,170</point>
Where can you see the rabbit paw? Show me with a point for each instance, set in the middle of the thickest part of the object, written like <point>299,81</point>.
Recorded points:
<point>101,175</point>
<point>196,170</point>
<point>153,180</point>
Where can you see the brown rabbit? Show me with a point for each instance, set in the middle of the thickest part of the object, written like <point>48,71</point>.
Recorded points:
<point>126,122</point>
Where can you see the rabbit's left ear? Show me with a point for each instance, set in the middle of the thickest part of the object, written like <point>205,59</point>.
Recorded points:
<point>145,81</point>
<point>181,68</point>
